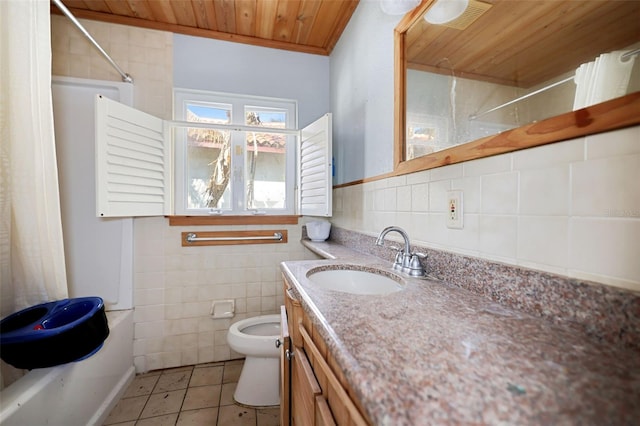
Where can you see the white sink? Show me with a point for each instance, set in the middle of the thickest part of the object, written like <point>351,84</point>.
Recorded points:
<point>356,281</point>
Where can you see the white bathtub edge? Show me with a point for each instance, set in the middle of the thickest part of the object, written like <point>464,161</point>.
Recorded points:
<point>85,391</point>
<point>114,396</point>
<point>17,394</point>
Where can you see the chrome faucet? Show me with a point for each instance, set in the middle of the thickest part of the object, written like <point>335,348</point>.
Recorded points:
<point>405,261</point>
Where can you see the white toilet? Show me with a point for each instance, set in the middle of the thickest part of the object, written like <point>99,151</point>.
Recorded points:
<point>259,383</point>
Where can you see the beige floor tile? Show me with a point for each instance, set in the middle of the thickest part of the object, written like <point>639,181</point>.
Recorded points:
<point>161,397</point>
<point>202,417</point>
<point>126,410</point>
<point>173,380</point>
<point>202,397</point>
<point>206,376</point>
<point>232,371</point>
<point>226,398</point>
<point>166,420</point>
<point>163,403</point>
<point>236,415</point>
<point>268,416</point>
<point>141,385</point>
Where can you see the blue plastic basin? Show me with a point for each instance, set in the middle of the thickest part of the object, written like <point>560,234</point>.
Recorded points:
<point>53,333</point>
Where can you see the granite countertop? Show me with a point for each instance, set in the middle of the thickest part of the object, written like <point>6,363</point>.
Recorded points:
<point>434,353</point>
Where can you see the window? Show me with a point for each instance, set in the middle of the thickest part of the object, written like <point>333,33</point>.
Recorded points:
<point>219,171</point>
<point>237,155</point>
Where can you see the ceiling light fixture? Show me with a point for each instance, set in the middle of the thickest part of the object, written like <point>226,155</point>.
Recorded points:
<point>444,11</point>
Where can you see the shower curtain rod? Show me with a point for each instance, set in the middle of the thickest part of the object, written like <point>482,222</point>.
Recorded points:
<point>125,77</point>
<point>624,57</point>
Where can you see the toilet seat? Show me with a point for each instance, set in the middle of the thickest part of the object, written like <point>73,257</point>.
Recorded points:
<point>251,336</point>
<point>264,329</point>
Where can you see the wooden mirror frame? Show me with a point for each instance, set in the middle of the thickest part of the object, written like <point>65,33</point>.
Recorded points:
<point>610,115</point>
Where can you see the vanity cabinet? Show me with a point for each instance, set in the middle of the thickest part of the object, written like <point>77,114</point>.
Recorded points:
<point>318,393</point>
<point>284,343</point>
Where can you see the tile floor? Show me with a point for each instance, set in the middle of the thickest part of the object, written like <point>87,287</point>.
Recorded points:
<point>195,395</point>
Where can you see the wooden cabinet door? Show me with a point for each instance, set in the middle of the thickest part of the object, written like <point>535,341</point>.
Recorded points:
<point>341,406</point>
<point>295,315</point>
<point>323,413</point>
<point>285,369</point>
<point>304,389</point>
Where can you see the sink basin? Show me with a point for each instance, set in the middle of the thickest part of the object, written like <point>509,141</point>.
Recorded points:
<point>356,281</point>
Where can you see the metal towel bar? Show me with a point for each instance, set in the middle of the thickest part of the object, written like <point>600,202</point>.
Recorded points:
<point>193,237</point>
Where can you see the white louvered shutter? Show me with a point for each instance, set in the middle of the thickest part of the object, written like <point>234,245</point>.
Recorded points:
<point>133,162</point>
<point>314,176</point>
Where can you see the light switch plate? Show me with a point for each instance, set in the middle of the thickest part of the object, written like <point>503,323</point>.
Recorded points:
<point>454,209</point>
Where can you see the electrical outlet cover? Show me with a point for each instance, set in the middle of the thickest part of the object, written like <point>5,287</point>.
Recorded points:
<point>455,212</point>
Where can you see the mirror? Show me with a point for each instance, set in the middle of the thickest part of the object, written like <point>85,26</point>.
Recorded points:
<point>501,78</point>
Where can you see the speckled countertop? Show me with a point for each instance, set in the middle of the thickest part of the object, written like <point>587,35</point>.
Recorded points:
<point>437,354</point>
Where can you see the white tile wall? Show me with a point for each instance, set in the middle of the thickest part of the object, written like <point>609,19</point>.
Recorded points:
<point>498,236</point>
<point>485,166</point>
<point>606,186</point>
<point>174,327</point>
<point>499,193</point>
<point>471,190</point>
<point>543,242</point>
<point>438,195</point>
<point>419,197</point>
<point>146,55</point>
<point>599,146</point>
<point>605,249</point>
<point>545,191</point>
<point>571,208</point>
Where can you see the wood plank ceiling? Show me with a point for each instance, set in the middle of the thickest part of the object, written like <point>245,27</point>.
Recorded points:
<point>310,26</point>
<point>524,43</point>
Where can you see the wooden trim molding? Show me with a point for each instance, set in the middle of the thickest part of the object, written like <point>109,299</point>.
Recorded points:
<point>610,115</point>
<point>233,220</point>
<point>399,113</point>
<point>365,180</point>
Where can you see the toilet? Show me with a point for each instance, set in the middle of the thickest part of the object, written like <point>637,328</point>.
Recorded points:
<point>259,383</point>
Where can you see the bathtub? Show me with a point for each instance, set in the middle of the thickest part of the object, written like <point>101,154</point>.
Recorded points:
<point>79,393</point>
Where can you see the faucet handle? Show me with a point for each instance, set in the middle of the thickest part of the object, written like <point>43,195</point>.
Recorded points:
<point>416,268</point>
<point>415,261</point>
<point>398,260</point>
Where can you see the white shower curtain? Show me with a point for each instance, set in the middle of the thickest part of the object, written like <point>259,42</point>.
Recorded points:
<point>32,265</point>
<point>607,77</point>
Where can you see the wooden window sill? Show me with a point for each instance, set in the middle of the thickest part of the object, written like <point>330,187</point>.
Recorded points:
<point>233,220</point>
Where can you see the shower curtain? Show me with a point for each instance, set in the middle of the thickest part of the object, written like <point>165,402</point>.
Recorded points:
<point>32,264</point>
<point>607,77</point>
